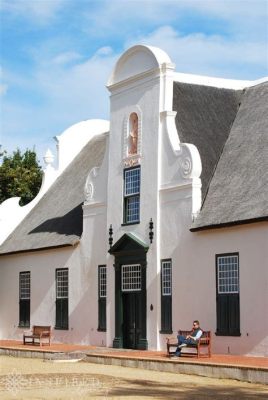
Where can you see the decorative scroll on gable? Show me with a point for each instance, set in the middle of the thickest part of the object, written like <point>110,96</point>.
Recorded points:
<point>132,136</point>
<point>183,162</point>
<point>89,189</point>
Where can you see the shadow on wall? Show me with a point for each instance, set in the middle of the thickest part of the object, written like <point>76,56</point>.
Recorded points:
<point>68,224</point>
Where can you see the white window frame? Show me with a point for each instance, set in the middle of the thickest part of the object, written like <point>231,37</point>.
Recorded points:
<point>132,194</point>
<point>62,283</point>
<point>102,281</point>
<point>166,284</point>
<point>25,285</point>
<point>131,278</point>
<point>228,274</point>
<point>130,172</point>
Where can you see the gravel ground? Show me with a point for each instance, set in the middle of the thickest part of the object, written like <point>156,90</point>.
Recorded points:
<point>25,378</point>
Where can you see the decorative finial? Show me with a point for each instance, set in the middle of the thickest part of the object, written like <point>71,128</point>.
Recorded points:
<point>111,236</point>
<point>48,158</point>
<point>151,233</point>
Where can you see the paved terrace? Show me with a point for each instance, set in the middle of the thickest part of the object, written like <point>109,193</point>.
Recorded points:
<point>244,368</point>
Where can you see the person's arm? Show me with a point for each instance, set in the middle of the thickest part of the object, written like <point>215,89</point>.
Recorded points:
<point>199,334</point>
<point>197,337</point>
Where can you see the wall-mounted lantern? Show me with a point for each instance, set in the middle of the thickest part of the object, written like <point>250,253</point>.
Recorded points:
<point>151,233</point>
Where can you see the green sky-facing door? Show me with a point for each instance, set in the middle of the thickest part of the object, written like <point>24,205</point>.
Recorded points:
<point>130,293</point>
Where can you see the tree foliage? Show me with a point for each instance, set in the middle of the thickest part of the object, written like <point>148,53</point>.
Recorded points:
<point>20,176</point>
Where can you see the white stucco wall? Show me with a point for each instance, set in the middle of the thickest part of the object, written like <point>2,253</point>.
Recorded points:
<point>83,301</point>
<point>194,276</point>
<point>194,283</point>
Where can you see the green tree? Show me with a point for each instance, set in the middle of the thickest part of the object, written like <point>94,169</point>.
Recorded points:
<point>20,176</point>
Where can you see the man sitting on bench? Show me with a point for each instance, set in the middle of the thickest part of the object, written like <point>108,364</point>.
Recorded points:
<point>191,339</point>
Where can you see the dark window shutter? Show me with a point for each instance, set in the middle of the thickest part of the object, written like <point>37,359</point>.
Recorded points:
<point>228,314</point>
<point>102,314</point>
<point>166,313</point>
<point>24,313</point>
<point>222,314</point>
<point>234,314</point>
<point>62,313</point>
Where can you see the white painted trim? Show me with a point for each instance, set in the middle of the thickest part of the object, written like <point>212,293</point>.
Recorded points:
<point>148,58</point>
<point>216,82</point>
<point>151,73</point>
<point>171,188</point>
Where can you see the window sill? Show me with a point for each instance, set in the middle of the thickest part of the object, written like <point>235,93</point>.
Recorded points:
<point>101,329</point>
<point>227,334</point>
<point>166,331</point>
<point>61,329</point>
<point>24,326</point>
<point>130,223</point>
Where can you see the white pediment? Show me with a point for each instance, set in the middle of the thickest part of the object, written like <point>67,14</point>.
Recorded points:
<point>137,60</point>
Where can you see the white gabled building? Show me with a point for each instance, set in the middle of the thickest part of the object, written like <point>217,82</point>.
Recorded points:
<point>160,221</point>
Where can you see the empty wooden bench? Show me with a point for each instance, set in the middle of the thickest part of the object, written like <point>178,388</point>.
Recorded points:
<point>37,334</point>
<point>204,344</point>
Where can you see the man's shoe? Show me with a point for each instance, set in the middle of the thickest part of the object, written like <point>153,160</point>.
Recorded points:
<point>182,345</point>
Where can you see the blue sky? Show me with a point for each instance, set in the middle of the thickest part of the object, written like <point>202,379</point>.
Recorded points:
<point>56,55</point>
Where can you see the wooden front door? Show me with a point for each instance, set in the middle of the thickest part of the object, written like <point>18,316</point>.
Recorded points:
<point>131,320</point>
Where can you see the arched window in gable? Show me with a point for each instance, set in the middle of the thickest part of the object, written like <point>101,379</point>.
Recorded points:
<point>133,135</point>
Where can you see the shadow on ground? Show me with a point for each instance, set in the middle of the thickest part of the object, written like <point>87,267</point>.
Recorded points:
<point>100,386</point>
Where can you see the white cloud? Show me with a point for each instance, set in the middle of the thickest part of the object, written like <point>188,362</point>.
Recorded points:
<point>209,55</point>
<point>238,16</point>
<point>104,51</point>
<point>3,89</point>
<point>230,9</point>
<point>70,92</point>
<point>39,11</point>
<point>77,92</point>
<point>3,86</point>
<point>66,58</point>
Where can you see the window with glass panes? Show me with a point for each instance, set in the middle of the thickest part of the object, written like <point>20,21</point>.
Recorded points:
<point>228,274</point>
<point>227,294</point>
<point>166,296</point>
<point>102,293</point>
<point>62,296</point>
<point>132,195</point>
<point>25,298</point>
<point>131,277</point>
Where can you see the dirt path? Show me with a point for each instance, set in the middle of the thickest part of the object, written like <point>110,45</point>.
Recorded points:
<point>24,378</point>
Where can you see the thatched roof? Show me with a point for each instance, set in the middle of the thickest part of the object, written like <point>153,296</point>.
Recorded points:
<point>204,118</point>
<point>238,191</point>
<point>57,219</point>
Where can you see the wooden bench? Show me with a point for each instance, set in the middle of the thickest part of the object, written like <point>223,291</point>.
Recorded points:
<point>204,343</point>
<point>38,333</point>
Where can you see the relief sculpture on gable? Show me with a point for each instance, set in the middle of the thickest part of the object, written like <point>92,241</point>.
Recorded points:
<point>133,134</point>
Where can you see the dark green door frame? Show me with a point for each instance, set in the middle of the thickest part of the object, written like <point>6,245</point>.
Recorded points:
<point>129,250</point>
